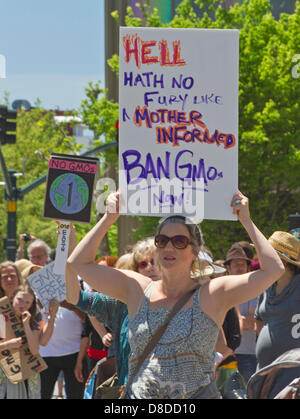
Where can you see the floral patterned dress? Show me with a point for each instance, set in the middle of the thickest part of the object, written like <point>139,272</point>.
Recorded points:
<point>182,363</point>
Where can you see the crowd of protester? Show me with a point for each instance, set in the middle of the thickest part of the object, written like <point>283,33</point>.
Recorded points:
<point>241,315</point>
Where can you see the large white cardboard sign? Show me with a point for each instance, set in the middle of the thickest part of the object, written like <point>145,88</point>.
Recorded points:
<point>178,141</point>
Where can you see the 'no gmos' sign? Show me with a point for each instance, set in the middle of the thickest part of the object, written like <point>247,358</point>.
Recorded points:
<point>178,121</point>
<point>69,189</point>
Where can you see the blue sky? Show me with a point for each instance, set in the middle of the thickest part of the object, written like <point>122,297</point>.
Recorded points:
<point>52,49</point>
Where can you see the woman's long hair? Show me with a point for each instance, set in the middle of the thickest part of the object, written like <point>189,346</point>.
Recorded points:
<point>33,309</point>
<point>18,273</point>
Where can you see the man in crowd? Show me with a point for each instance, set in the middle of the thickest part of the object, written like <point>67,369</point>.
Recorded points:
<point>38,251</point>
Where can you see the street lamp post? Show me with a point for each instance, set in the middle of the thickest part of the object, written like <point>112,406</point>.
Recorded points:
<point>10,241</point>
<point>12,194</point>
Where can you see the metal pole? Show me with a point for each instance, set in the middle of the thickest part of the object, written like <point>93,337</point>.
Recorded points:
<point>12,194</point>
<point>112,44</point>
<point>42,179</point>
<point>6,177</point>
<point>11,242</point>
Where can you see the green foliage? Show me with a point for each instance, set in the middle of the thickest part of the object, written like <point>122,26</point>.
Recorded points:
<point>113,240</point>
<point>5,100</point>
<point>131,20</point>
<point>114,64</point>
<point>37,135</point>
<point>101,115</point>
<point>269,125</point>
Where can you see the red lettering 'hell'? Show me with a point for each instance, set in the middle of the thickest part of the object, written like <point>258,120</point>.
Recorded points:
<point>143,54</point>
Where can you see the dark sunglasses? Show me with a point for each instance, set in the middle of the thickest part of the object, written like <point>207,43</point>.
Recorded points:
<point>144,263</point>
<point>179,242</point>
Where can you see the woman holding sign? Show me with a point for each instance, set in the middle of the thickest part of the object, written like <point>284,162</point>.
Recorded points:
<point>111,312</point>
<point>181,365</point>
<point>20,362</point>
<point>10,278</point>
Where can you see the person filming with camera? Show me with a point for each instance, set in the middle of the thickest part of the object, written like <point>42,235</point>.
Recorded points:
<point>38,251</point>
<point>24,239</point>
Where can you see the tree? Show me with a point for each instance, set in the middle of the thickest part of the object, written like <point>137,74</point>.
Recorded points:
<point>269,126</point>
<point>101,116</point>
<point>37,136</point>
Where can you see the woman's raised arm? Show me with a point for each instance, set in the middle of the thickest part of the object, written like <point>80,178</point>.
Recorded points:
<point>235,289</point>
<point>109,281</point>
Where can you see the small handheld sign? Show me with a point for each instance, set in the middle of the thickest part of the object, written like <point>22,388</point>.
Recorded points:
<point>62,248</point>
<point>69,195</point>
<point>69,190</point>
<point>48,284</point>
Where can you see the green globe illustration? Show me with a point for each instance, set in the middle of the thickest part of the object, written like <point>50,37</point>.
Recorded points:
<point>69,193</point>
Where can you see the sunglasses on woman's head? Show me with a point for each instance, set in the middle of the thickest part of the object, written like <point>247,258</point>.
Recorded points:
<point>144,263</point>
<point>179,242</point>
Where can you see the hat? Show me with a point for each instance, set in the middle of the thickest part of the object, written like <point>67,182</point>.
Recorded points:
<point>206,267</point>
<point>201,269</point>
<point>216,268</point>
<point>236,252</point>
<point>26,267</point>
<point>287,246</point>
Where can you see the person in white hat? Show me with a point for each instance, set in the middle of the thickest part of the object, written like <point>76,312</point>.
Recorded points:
<point>278,312</point>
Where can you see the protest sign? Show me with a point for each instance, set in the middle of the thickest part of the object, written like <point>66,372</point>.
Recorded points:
<point>178,140</point>
<point>48,285</point>
<point>62,248</point>
<point>17,364</point>
<point>68,197</point>
<point>69,189</point>
<point>2,327</point>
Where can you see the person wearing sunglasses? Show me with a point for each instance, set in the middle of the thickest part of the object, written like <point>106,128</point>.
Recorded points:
<point>182,363</point>
<point>143,258</point>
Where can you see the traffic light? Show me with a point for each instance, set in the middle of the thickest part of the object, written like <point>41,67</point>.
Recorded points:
<point>8,126</point>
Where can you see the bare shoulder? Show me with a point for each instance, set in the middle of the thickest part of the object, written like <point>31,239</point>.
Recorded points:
<point>137,281</point>
<point>136,290</point>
